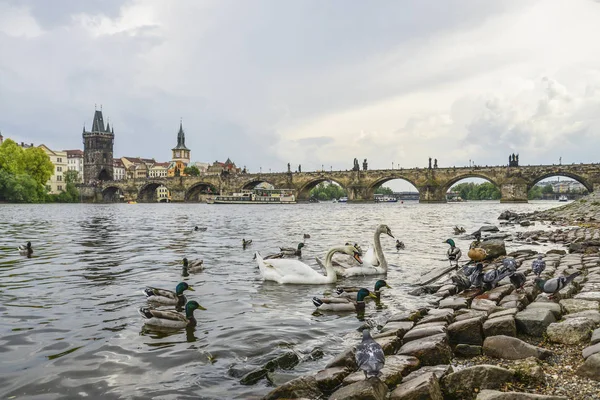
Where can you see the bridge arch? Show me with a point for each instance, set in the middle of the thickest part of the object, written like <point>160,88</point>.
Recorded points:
<point>588,185</point>
<point>255,182</point>
<point>147,193</point>
<point>468,175</point>
<point>199,191</point>
<point>373,186</point>
<point>303,193</point>
<point>112,194</point>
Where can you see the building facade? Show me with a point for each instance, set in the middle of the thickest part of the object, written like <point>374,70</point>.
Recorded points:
<point>98,151</point>
<point>136,167</point>
<point>118,169</point>
<point>56,183</point>
<point>227,167</point>
<point>75,163</point>
<point>159,170</point>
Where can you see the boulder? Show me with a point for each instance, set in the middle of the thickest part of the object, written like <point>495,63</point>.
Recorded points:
<point>494,248</point>
<point>497,395</point>
<point>304,386</point>
<point>389,344</point>
<point>418,333</point>
<point>483,304</point>
<point>511,348</point>
<point>554,307</point>
<point>462,384</point>
<point>454,303</point>
<point>346,358</point>
<point>391,374</point>
<point>446,315</point>
<point>595,337</point>
<point>500,292</point>
<point>330,378</point>
<point>439,370</point>
<point>500,326</point>
<point>398,329</point>
<point>254,376</point>
<point>470,314</point>
<point>425,386</point>
<point>506,215</point>
<point>277,378</point>
<point>591,350</point>
<point>468,331</point>
<point>593,315</point>
<point>432,350</point>
<point>371,389</point>
<point>534,321</point>
<point>576,305</point>
<point>593,296</point>
<point>570,331</point>
<point>467,350</point>
<point>528,371</point>
<point>590,368</point>
<point>509,311</point>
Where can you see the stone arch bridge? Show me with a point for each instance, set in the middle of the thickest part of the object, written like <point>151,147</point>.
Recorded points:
<point>432,183</point>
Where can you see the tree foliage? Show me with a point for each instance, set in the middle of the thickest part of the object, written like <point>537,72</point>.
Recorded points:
<point>37,164</point>
<point>191,171</point>
<point>20,188</point>
<point>328,191</point>
<point>71,176</point>
<point>384,190</point>
<point>477,191</point>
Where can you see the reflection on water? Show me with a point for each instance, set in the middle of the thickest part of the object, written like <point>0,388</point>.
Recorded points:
<point>70,325</point>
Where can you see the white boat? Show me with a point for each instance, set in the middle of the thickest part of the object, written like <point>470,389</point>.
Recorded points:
<point>343,200</point>
<point>258,196</point>
<point>385,199</point>
<point>562,197</point>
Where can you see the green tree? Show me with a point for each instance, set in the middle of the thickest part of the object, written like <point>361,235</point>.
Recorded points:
<point>192,171</point>
<point>477,191</point>
<point>11,157</point>
<point>71,176</point>
<point>37,164</point>
<point>384,190</point>
<point>548,189</point>
<point>535,193</point>
<point>327,191</point>
<point>20,188</point>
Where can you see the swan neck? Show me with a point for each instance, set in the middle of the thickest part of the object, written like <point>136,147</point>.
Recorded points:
<point>329,258</point>
<point>379,250</point>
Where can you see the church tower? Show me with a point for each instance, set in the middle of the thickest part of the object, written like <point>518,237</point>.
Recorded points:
<point>180,152</point>
<point>98,151</point>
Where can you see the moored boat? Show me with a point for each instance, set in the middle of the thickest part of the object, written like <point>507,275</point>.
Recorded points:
<point>258,196</point>
<point>562,197</point>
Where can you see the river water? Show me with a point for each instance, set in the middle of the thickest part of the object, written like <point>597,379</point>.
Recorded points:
<point>69,323</point>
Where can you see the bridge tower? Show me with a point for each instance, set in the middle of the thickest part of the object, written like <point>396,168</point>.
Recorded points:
<point>98,151</point>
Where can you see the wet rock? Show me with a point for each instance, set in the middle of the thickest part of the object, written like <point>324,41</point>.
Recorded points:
<point>590,368</point>
<point>304,386</point>
<point>570,331</point>
<point>591,350</point>
<point>497,395</point>
<point>467,350</point>
<point>576,305</point>
<point>454,303</point>
<point>461,384</point>
<point>391,374</point>
<point>595,337</point>
<point>418,333</point>
<point>254,376</point>
<point>425,386</point>
<point>371,389</point>
<point>534,321</point>
<point>506,215</point>
<point>468,331</point>
<point>427,289</point>
<point>398,329</point>
<point>554,307</point>
<point>511,348</point>
<point>330,378</point>
<point>438,370</point>
<point>494,248</point>
<point>389,344</point>
<point>286,360</point>
<point>489,228</point>
<point>500,326</point>
<point>557,251</point>
<point>503,313</point>
<point>430,350</point>
<point>345,359</point>
<point>445,315</point>
<point>526,223</point>
<point>468,314</point>
<point>279,378</point>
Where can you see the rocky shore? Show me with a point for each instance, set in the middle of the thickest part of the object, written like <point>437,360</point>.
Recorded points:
<point>500,344</point>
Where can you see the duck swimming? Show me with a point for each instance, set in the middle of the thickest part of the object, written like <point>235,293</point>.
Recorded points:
<point>343,303</point>
<point>290,251</point>
<point>297,272</point>
<point>171,319</point>
<point>399,245</point>
<point>453,252</point>
<point>350,291</point>
<point>168,297</point>
<point>246,243</point>
<point>193,266</point>
<point>25,250</point>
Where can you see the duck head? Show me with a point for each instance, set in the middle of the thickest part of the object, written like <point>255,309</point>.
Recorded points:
<point>181,287</point>
<point>300,246</point>
<point>28,245</point>
<point>196,228</point>
<point>362,293</point>
<point>450,242</point>
<point>354,252</point>
<point>381,284</point>
<point>185,262</point>
<point>385,229</point>
<point>191,306</point>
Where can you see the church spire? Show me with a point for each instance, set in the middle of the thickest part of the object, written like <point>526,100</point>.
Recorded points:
<point>180,138</point>
<point>108,127</point>
<point>98,124</point>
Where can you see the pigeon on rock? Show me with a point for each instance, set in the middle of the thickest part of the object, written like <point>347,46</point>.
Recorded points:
<point>369,356</point>
<point>552,286</point>
<point>509,263</point>
<point>538,266</point>
<point>518,279</point>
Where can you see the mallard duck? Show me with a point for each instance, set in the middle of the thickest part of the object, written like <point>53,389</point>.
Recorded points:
<point>290,251</point>
<point>203,229</point>
<point>453,252</point>
<point>193,266</point>
<point>374,262</point>
<point>370,357</point>
<point>306,236</point>
<point>171,319</point>
<point>476,253</point>
<point>552,286</point>
<point>538,266</point>
<point>25,250</point>
<point>297,272</point>
<point>168,297</point>
<point>399,245</point>
<point>458,230</point>
<point>246,243</point>
<point>349,292</point>
<point>344,303</point>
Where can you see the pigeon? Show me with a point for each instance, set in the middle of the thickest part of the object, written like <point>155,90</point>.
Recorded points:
<point>461,281</point>
<point>509,263</point>
<point>454,252</point>
<point>518,279</point>
<point>538,266</point>
<point>476,276</point>
<point>467,270</point>
<point>369,356</point>
<point>552,286</point>
<point>491,278</point>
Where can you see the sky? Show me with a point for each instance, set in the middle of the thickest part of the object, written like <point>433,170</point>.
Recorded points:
<point>310,82</point>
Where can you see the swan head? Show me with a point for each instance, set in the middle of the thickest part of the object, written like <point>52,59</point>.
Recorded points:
<point>381,284</point>
<point>354,252</point>
<point>450,242</point>
<point>181,287</point>
<point>360,252</point>
<point>385,229</point>
<point>362,293</point>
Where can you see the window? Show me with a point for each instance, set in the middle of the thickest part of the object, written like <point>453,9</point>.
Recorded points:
<point>58,169</point>
<point>59,159</point>
<point>59,187</point>
<point>59,178</point>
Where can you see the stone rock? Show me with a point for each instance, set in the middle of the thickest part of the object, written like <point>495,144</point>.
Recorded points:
<point>592,315</point>
<point>395,329</point>
<point>500,292</point>
<point>427,289</point>
<point>454,303</point>
<point>254,376</point>
<point>483,305</point>
<point>471,314</point>
<point>494,248</point>
<point>500,326</point>
<point>528,371</point>
<point>590,368</point>
<point>418,333</point>
<point>497,395</point>
<point>461,384</point>
<point>346,358</point>
<point>570,331</point>
<point>576,305</point>
<point>287,360</point>
<point>591,350</point>
<point>534,321</point>
<point>391,374</point>
<point>432,350</point>
<point>593,296</point>
<point>408,316</point>
<point>438,370</point>
<point>468,331</point>
<point>554,307</point>
<point>506,215</point>
<point>279,378</point>
<point>304,386</point>
<point>330,378</point>
<point>425,386</point>
<point>509,311</point>
<point>446,316</point>
<point>595,337</point>
<point>557,251</point>
<point>389,344</point>
<point>511,348</point>
<point>467,350</point>
<point>431,324</point>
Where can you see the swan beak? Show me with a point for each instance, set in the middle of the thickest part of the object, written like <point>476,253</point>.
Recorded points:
<point>390,233</point>
<point>357,258</point>
<point>371,294</point>
<point>191,288</point>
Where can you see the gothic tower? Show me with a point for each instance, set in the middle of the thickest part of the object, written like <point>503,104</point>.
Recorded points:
<point>180,152</point>
<point>98,151</point>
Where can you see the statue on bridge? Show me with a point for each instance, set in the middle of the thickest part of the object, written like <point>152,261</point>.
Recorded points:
<point>513,160</point>
<point>365,165</point>
<point>429,162</point>
<point>289,170</point>
<point>299,167</point>
<point>435,163</point>
<point>356,167</point>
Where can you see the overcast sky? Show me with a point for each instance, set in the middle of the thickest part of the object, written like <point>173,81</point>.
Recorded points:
<point>308,82</point>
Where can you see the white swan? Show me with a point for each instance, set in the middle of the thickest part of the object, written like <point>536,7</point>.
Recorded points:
<point>294,271</point>
<point>377,263</point>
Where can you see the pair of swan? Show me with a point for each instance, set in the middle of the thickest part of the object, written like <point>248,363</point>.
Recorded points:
<point>374,262</point>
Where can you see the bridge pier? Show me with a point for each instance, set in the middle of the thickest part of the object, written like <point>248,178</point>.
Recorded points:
<point>513,192</point>
<point>432,194</point>
<point>359,194</point>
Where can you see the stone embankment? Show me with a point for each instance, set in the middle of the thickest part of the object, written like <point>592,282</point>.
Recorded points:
<point>502,344</point>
